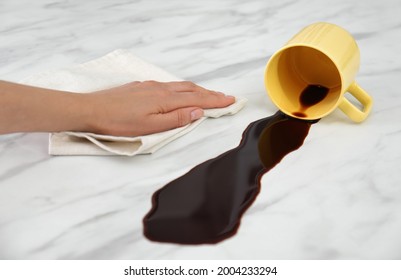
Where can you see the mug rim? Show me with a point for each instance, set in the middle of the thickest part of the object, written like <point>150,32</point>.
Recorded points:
<point>289,46</point>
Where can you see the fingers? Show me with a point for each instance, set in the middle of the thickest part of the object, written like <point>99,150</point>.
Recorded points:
<point>174,95</point>
<point>176,118</point>
<point>187,94</point>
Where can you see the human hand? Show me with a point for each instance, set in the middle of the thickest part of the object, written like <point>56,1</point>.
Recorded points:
<point>141,108</point>
<point>133,109</point>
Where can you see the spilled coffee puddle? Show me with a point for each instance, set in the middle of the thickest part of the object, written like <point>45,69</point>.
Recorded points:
<point>206,204</point>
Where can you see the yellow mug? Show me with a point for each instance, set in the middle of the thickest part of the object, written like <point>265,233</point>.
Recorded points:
<point>322,55</point>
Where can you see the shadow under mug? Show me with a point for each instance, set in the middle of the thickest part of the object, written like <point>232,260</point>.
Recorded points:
<point>321,54</point>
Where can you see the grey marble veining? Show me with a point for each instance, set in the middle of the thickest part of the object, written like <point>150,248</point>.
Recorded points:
<point>338,197</point>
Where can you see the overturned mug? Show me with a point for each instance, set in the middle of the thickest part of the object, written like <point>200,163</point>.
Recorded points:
<point>323,58</point>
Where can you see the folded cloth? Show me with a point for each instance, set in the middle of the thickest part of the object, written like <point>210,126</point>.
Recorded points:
<point>114,69</point>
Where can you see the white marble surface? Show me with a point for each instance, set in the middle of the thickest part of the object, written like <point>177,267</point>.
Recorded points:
<point>338,197</point>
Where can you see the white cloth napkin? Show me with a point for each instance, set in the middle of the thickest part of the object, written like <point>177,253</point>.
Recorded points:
<point>116,68</point>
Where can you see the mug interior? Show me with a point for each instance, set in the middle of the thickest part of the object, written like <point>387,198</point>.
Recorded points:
<point>290,71</point>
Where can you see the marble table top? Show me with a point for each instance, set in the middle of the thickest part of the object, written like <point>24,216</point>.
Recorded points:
<point>337,197</point>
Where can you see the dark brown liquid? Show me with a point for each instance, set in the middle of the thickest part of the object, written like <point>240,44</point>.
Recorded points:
<point>206,204</point>
<point>310,96</point>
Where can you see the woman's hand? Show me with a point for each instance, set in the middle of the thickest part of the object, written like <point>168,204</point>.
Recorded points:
<point>141,108</point>
<point>133,109</point>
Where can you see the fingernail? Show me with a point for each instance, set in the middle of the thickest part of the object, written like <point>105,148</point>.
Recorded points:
<point>230,96</point>
<point>196,114</point>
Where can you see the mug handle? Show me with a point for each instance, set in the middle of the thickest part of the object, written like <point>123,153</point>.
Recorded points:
<point>353,112</point>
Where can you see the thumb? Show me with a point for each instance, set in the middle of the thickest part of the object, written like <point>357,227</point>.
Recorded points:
<point>177,118</point>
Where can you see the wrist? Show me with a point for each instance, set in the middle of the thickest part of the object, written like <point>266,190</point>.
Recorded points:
<point>83,113</point>
<point>76,113</point>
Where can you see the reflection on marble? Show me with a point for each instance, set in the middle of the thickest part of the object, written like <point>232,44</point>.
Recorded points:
<point>338,197</point>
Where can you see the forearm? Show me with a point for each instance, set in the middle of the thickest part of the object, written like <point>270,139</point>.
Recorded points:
<point>27,109</point>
